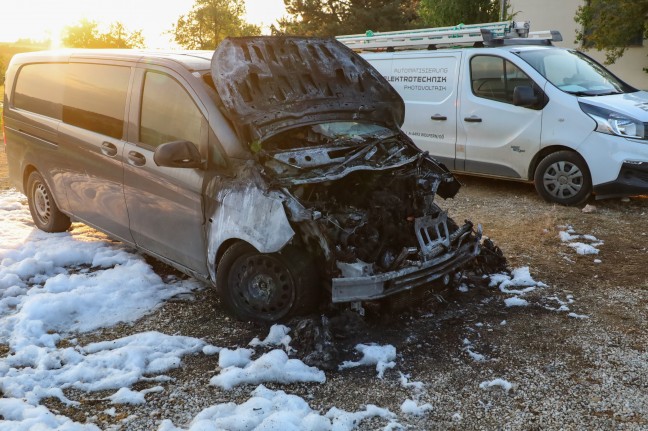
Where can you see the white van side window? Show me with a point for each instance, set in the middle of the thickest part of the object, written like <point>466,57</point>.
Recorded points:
<point>495,78</point>
<point>168,113</point>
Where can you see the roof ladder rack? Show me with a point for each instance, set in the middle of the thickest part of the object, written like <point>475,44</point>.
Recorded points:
<point>494,34</point>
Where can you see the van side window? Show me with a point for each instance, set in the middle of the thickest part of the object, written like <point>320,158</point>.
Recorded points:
<point>168,113</point>
<point>95,98</point>
<point>495,78</point>
<point>39,89</point>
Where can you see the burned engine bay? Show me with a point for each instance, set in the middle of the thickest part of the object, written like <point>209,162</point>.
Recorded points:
<point>361,197</point>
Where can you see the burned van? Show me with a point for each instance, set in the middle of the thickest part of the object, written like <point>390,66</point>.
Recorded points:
<point>273,169</point>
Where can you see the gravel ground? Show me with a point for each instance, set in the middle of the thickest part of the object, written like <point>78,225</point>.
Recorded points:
<point>589,371</point>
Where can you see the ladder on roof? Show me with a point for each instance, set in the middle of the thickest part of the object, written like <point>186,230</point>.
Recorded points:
<point>456,35</point>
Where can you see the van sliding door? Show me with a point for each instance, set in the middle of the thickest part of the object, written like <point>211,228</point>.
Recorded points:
<point>94,106</point>
<point>427,82</point>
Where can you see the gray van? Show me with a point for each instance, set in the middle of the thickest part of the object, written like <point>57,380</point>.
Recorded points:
<point>273,169</point>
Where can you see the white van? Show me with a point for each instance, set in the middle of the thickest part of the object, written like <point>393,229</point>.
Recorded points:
<point>517,108</point>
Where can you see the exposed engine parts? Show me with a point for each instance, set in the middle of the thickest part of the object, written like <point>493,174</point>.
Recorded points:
<point>362,200</point>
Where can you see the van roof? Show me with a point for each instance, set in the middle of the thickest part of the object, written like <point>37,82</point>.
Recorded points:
<point>192,60</point>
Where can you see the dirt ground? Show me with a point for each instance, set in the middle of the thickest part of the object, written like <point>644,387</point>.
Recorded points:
<point>588,371</point>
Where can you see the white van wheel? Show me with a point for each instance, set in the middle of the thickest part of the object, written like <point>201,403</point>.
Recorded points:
<point>563,177</point>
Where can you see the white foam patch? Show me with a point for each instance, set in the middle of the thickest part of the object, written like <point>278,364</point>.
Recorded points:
<point>53,284</point>
<point>383,357</point>
<point>127,396</point>
<point>520,277</point>
<point>19,415</point>
<point>583,249</point>
<point>516,302</point>
<point>507,386</point>
<point>275,410</point>
<point>36,372</point>
<point>274,366</point>
<point>278,336</point>
<point>234,358</point>
<point>411,407</point>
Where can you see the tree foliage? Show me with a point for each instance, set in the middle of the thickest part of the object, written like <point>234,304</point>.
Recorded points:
<point>336,17</point>
<point>444,13</point>
<point>612,25</point>
<point>210,21</point>
<point>86,34</point>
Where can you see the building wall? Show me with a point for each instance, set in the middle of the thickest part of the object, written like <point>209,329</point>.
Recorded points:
<point>559,15</point>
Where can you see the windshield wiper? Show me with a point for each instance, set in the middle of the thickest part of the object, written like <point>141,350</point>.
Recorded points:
<point>593,93</point>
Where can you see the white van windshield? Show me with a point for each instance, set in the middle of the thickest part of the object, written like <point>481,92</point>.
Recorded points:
<point>574,73</point>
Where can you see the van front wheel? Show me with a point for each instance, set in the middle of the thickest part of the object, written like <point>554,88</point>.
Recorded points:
<point>266,287</point>
<point>46,215</point>
<point>563,177</point>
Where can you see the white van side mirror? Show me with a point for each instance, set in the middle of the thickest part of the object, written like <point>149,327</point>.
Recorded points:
<point>524,96</point>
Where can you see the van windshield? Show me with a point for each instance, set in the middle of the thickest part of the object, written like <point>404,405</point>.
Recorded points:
<point>574,72</point>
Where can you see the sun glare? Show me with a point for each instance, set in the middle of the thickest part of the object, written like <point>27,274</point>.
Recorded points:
<point>41,20</point>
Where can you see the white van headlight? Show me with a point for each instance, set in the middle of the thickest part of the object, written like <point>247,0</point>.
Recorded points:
<point>615,123</point>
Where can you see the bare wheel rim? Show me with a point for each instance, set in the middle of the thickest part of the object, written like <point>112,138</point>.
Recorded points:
<point>262,286</point>
<point>563,179</point>
<point>42,203</point>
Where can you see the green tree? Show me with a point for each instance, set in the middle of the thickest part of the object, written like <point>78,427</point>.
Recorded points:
<point>612,25</point>
<point>119,37</point>
<point>210,21</point>
<point>337,17</point>
<point>444,13</point>
<point>86,34</point>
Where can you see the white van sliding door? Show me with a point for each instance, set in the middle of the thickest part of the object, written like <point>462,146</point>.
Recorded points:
<point>428,84</point>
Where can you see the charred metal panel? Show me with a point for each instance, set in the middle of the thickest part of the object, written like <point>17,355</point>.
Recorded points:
<point>272,84</point>
<point>243,209</point>
<point>382,285</point>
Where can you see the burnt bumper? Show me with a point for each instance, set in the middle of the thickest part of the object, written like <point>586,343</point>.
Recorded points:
<point>465,246</point>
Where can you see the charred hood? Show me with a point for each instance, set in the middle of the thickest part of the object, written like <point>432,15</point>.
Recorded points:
<point>274,83</point>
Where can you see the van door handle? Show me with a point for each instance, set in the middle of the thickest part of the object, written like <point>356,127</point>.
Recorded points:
<point>136,159</point>
<point>473,119</point>
<point>108,149</point>
<point>439,117</point>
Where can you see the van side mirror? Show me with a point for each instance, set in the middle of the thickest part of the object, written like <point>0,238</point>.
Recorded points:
<point>178,154</point>
<point>523,96</point>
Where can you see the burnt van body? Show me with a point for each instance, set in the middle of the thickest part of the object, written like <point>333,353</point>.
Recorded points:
<point>273,169</point>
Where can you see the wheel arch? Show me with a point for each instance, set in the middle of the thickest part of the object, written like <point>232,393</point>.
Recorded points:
<point>544,152</point>
<point>26,173</point>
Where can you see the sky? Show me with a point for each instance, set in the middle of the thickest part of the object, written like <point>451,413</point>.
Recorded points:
<point>44,19</point>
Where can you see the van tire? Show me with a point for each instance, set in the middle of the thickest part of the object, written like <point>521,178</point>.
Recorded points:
<point>44,211</point>
<point>563,177</point>
<point>267,287</point>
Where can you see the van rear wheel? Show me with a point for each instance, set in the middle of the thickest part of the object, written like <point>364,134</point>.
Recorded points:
<point>267,287</point>
<point>43,209</point>
<point>563,177</point>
